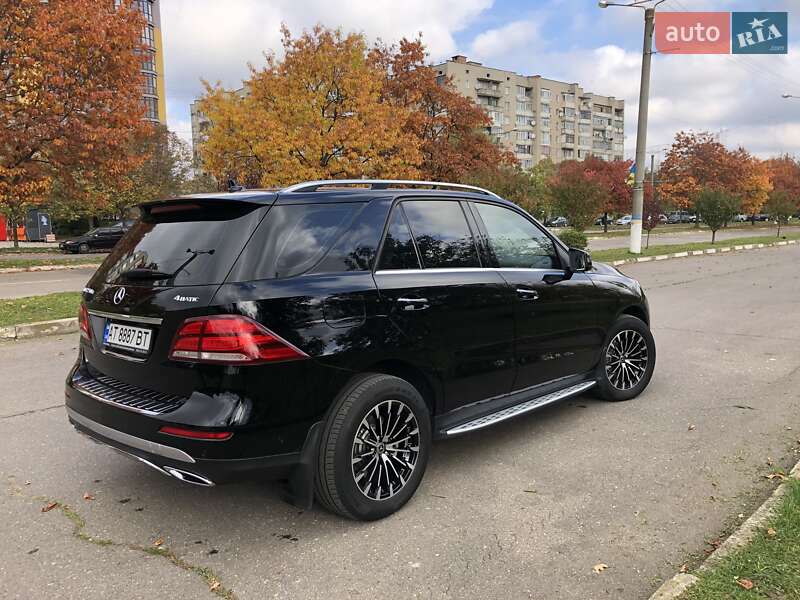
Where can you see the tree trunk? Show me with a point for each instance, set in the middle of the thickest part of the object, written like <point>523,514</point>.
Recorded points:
<point>14,234</point>
<point>779,229</point>
<point>647,246</point>
<point>605,222</point>
<point>713,235</point>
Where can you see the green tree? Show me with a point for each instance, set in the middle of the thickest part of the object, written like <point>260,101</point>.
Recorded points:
<point>716,207</point>
<point>577,195</point>
<point>164,162</point>
<point>780,207</point>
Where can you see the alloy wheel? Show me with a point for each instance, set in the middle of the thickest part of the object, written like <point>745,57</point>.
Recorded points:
<point>385,450</point>
<point>626,359</point>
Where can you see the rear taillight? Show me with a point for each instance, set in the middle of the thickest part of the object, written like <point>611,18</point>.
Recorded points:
<point>230,339</point>
<point>83,323</point>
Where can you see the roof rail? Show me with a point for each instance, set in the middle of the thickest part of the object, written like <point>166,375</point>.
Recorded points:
<point>384,184</point>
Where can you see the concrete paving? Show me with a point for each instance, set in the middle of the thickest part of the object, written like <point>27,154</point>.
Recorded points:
<point>33,283</point>
<point>663,235</point>
<point>521,510</point>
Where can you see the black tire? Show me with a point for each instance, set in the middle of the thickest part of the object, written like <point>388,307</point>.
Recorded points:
<point>83,248</point>
<point>635,329</point>
<point>335,482</point>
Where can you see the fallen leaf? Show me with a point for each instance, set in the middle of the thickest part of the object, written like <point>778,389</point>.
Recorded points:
<point>745,583</point>
<point>88,496</point>
<point>213,584</point>
<point>159,542</point>
<point>27,483</point>
<point>124,500</point>
<point>769,461</point>
<point>776,475</point>
<point>33,551</point>
<point>691,427</point>
<point>683,568</point>
<point>599,567</point>
<point>771,532</point>
<point>49,507</point>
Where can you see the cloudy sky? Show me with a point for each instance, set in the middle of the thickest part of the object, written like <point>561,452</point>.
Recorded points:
<point>738,96</point>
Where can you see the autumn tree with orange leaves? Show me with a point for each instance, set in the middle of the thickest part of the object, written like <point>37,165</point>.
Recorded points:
<point>316,114</point>
<point>334,107</point>
<point>784,172</point>
<point>70,96</point>
<point>698,161</point>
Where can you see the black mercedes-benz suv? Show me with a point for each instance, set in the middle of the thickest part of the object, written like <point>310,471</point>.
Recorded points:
<point>325,333</point>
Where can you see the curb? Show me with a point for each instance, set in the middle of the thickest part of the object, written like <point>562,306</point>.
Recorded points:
<point>42,328</point>
<point>721,249</point>
<point>48,268</point>
<point>674,587</point>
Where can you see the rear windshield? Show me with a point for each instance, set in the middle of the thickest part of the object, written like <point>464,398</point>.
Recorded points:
<point>195,243</point>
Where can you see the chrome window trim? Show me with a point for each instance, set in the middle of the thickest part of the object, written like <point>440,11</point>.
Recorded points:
<point>121,317</point>
<point>129,440</point>
<point>464,270</point>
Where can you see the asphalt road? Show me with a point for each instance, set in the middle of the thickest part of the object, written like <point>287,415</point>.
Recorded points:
<point>521,510</point>
<point>662,235</point>
<point>33,283</point>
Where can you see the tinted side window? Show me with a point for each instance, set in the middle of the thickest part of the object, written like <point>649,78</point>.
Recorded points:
<point>291,239</point>
<point>516,242</point>
<point>398,248</point>
<point>357,248</point>
<point>441,232</point>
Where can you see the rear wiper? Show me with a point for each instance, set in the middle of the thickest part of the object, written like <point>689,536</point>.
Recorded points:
<point>154,274</point>
<point>142,273</point>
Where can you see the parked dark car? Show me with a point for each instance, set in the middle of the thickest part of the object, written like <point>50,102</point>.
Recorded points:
<point>98,239</point>
<point>324,334</point>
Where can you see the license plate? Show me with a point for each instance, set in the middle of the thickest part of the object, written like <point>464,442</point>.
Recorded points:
<point>117,335</point>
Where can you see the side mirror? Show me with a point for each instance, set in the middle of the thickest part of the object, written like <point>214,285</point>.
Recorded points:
<point>579,260</point>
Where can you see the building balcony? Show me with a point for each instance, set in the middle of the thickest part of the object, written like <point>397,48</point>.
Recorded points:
<point>488,91</point>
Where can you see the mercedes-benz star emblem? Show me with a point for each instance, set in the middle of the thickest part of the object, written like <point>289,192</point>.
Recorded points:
<point>119,295</point>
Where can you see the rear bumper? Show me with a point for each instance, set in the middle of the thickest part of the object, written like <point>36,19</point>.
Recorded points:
<point>176,462</point>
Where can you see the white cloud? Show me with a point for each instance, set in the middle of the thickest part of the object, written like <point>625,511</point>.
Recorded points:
<point>505,40</point>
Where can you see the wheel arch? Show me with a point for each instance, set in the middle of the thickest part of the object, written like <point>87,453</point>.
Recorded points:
<point>636,310</point>
<point>413,375</point>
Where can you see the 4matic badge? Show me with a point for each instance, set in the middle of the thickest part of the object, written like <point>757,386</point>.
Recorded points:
<point>180,298</point>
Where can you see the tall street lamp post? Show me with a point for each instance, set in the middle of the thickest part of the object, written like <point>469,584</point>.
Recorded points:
<point>641,130</point>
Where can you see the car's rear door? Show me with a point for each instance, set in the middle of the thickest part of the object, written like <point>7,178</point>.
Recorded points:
<point>452,314</point>
<point>557,334</point>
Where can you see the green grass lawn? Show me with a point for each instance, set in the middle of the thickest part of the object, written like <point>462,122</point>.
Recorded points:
<point>7,260</point>
<point>39,308</point>
<point>771,561</point>
<point>664,228</point>
<point>622,253</point>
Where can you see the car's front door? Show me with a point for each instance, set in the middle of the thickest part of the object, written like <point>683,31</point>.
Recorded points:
<point>450,311</point>
<point>557,332</point>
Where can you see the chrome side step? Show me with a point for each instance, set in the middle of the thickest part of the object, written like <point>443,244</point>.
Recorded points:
<point>519,409</point>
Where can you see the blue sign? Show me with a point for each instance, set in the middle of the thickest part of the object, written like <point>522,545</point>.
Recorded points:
<point>760,33</point>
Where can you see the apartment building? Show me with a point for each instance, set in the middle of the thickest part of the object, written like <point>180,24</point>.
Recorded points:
<point>153,92</point>
<point>539,118</point>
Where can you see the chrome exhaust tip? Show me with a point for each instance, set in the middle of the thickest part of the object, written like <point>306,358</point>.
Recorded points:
<point>187,477</point>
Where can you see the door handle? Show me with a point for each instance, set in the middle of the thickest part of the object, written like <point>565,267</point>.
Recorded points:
<point>413,303</point>
<point>526,294</point>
